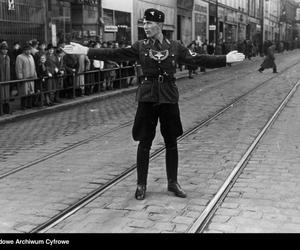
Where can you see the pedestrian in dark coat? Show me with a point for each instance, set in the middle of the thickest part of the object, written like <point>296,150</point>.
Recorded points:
<point>4,77</point>
<point>192,68</point>
<point>71,65</point>
<point>157,95</point>
<point>269,61</point>
<point>13,57</point>
<point>210,48</point>
<point>45,83</point>
<point>13,76</point>
<point>59,74</point>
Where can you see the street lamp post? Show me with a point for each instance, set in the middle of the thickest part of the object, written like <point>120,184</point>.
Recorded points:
<point>217,24</point>
<point>262,3</point>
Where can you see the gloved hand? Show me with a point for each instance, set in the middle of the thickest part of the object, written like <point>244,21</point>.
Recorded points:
<point>75,49</point>
<point>234,56</point>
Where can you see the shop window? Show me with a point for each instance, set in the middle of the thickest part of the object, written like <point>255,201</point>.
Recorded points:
<point>108,17</point>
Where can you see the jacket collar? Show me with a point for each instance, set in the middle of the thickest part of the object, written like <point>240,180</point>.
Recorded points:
<point>165,42</point>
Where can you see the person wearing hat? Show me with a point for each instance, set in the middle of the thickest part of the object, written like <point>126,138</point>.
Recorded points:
<point>4,77</point>
<point>269,61</point>
<point>157,95</point>
<point>25,69</point>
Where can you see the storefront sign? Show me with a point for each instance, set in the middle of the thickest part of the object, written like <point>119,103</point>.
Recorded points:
<point>88,2</point>
<point>110,28</point>
<point>122,26</point>
<point>92,32</point>
<point>212,27</point>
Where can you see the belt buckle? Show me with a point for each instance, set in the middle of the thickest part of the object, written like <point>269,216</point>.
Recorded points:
<point>160,79</point>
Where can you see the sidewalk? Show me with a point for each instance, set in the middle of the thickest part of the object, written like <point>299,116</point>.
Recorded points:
<point>68,103</point>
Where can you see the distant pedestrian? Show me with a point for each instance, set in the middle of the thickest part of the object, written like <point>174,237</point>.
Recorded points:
<point>71,65</point>
<point>269,61</point>
<point>210,49</point>
<point>84,65</point>
<point>59,73</point>
<point>45,83</point>
<point>99,76</point>
<point>192,68</point>
<point>25,69</point>
<point>17,50</point>
<point>4,77</point>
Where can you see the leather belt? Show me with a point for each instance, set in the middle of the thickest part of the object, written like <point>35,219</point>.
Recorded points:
<point>159,78</point>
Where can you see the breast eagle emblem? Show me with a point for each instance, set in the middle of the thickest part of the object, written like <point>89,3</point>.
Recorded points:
<point>158,55</point>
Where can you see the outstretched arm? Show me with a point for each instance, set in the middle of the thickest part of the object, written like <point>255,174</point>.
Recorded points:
<point>208,61</point>
<point>102,54</point>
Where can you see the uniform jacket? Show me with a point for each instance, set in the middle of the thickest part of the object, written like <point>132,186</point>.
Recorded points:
<point>156,61</point>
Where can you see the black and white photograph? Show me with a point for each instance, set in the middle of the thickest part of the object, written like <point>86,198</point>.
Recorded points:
<point>148,117</point>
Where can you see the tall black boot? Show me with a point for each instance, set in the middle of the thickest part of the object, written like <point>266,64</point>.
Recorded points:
<point>143,154</point>
<point>172,164</point>
<point>172,171</point>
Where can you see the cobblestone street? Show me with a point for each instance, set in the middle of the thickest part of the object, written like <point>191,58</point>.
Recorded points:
<point>263,198</point>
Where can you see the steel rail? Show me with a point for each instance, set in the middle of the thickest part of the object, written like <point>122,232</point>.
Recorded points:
<point>84,141</point>
<point>200,224</point>
<point>65,149</point>
<point>101,189</point>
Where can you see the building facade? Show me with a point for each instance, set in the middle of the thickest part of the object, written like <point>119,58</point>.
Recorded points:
<point>22,20</point>
<point>254,26</point>
<point>169,7</point>
<point>287,20</point>
<point>184,20</point>
<point>58,21</point>
<point>117,19</point>
<point>200,21</point>
<point>122,20</point>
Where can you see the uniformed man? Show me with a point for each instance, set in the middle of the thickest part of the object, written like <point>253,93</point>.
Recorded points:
<point>157,95</point>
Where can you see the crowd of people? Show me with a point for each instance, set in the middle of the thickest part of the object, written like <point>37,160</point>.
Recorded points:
<point>51,75</point>
<point>248,47</point>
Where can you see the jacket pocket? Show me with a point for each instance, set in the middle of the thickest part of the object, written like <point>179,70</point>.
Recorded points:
<point>144,90</point>
<point>169,92</point>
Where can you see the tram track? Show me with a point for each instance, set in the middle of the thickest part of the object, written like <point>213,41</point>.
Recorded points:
<point>205,217</point>
<point>101,189</point>
<point>65,149</point>
<point>90,139</point>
